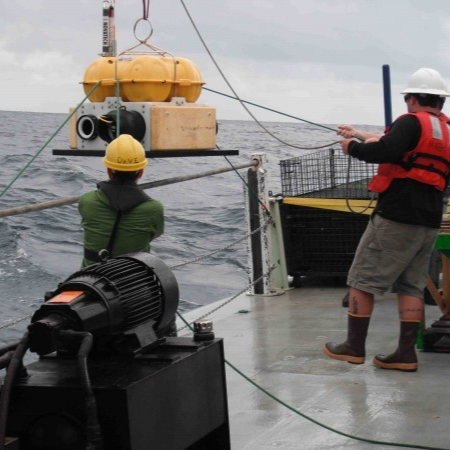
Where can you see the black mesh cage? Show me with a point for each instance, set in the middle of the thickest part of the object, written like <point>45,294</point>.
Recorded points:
<point>320,241</point>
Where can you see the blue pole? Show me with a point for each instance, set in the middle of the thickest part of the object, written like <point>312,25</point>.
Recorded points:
<point>387,95</point>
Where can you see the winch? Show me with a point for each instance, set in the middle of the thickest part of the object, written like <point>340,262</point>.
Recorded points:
<point>134,388</point>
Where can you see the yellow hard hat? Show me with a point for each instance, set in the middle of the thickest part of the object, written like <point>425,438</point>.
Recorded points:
<point>125,154</point>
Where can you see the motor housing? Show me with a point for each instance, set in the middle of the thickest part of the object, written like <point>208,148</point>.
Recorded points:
<point>126,303</point>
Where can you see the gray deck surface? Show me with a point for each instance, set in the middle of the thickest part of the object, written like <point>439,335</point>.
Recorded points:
<point>278,343</point>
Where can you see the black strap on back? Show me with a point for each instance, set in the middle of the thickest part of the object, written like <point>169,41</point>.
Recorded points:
<point>411,162</point>
<point>106,253</point>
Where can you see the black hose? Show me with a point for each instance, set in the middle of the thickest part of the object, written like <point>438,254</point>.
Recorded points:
<point>8,347</point>
<point>5,359</point>
<point>13,368</point>
<point>93,431</point>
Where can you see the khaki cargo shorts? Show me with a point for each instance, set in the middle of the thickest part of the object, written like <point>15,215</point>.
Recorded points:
<point>392,254</point>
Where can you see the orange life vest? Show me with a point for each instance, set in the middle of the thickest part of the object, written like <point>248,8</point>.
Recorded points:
<point>428,163</point>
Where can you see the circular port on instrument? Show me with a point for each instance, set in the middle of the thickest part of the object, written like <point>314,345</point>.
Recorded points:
<point>87,127</point>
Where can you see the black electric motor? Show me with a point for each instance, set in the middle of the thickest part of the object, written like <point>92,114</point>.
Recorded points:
<point>138,387</point>
<point>127,303</point>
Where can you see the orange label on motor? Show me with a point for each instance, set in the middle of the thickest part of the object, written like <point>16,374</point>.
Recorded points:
<point>66,297</point>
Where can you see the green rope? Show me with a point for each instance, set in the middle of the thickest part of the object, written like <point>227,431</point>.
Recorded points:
<point>49,140</point>
<point>281,402</point>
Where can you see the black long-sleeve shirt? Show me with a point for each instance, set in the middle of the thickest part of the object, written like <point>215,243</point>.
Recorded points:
<point>406,200</point>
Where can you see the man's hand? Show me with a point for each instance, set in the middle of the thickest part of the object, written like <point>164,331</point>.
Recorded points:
<point>344,145</point>
<point>346,131</point>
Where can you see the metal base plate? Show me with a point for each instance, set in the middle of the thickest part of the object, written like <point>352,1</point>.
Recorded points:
<point>149,154</point>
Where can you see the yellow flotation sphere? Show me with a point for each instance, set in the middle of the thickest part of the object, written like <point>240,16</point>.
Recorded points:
<point>102,69</point>
<point>146,78</point>
<point>188,82</point>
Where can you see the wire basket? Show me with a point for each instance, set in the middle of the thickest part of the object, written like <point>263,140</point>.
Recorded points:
<point>321,241</point>
<point>324,174</point>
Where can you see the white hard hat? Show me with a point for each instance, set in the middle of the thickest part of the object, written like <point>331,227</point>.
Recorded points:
<point>427,81</point>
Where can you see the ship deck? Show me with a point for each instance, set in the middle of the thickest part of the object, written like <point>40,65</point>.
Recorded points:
<point>277,342</point>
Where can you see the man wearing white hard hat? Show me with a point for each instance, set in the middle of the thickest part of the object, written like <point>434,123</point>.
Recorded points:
<point>394,251</point>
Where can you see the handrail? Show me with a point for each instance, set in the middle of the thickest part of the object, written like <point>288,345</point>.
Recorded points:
<point>152,184</point>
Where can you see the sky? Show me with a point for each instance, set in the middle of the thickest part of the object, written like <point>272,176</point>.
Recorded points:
<point>320,60</point>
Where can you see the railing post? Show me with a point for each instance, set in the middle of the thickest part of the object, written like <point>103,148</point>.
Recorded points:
<point>279,274</point>
<point>260,257</point>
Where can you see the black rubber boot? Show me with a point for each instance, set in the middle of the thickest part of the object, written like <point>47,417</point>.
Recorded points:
<point>405,357</point>
<point>353,350</point>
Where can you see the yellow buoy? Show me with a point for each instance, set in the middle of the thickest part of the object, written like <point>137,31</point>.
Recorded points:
<point>188,82</point>
<point>146,78</point>
<point>102,69</point>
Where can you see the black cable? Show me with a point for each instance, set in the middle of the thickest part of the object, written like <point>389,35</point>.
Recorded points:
<point>13,369</point>
<point>5,359</point>
<point>93,430</point>
<point>8,347</point>
<point>270,109</point>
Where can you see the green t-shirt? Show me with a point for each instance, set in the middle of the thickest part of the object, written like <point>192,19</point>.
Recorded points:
<point>137,227</point>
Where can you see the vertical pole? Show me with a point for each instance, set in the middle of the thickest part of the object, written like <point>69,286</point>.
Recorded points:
<point>254,222</point>
<point>387,95</point>
<point>279,274</point>
<point>260,259</point>
<point>332,168</point>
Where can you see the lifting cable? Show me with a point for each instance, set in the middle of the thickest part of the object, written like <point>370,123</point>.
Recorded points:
<point>237,96</point>
<point>316,422</point>
<point>275,111</point>
<point>372,199</point>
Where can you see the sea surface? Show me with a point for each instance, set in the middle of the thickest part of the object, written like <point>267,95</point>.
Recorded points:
<point>40,249</point>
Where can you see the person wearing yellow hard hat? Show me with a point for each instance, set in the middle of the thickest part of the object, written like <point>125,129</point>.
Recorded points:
<point>394,251</point>
<point>119,217</point>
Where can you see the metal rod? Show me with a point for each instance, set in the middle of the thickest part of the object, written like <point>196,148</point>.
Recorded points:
<point>208,173</point>
<point>71,200</point>
<point>387,95</point>
<point>255,239</point>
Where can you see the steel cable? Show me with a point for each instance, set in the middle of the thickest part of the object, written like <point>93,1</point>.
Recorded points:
<point>227,301</point>
<point>316,422</point>
<point>227,247</point>
<point>237,96</point>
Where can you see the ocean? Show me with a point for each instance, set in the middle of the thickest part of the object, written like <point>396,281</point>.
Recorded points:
<point>41,249</point>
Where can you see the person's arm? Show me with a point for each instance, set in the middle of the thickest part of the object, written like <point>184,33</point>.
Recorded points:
<point>157,219</point>
<point>348,132</point>
<point>403,137</point>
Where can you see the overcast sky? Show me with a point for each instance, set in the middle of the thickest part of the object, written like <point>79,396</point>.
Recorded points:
<point>317,59</point>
